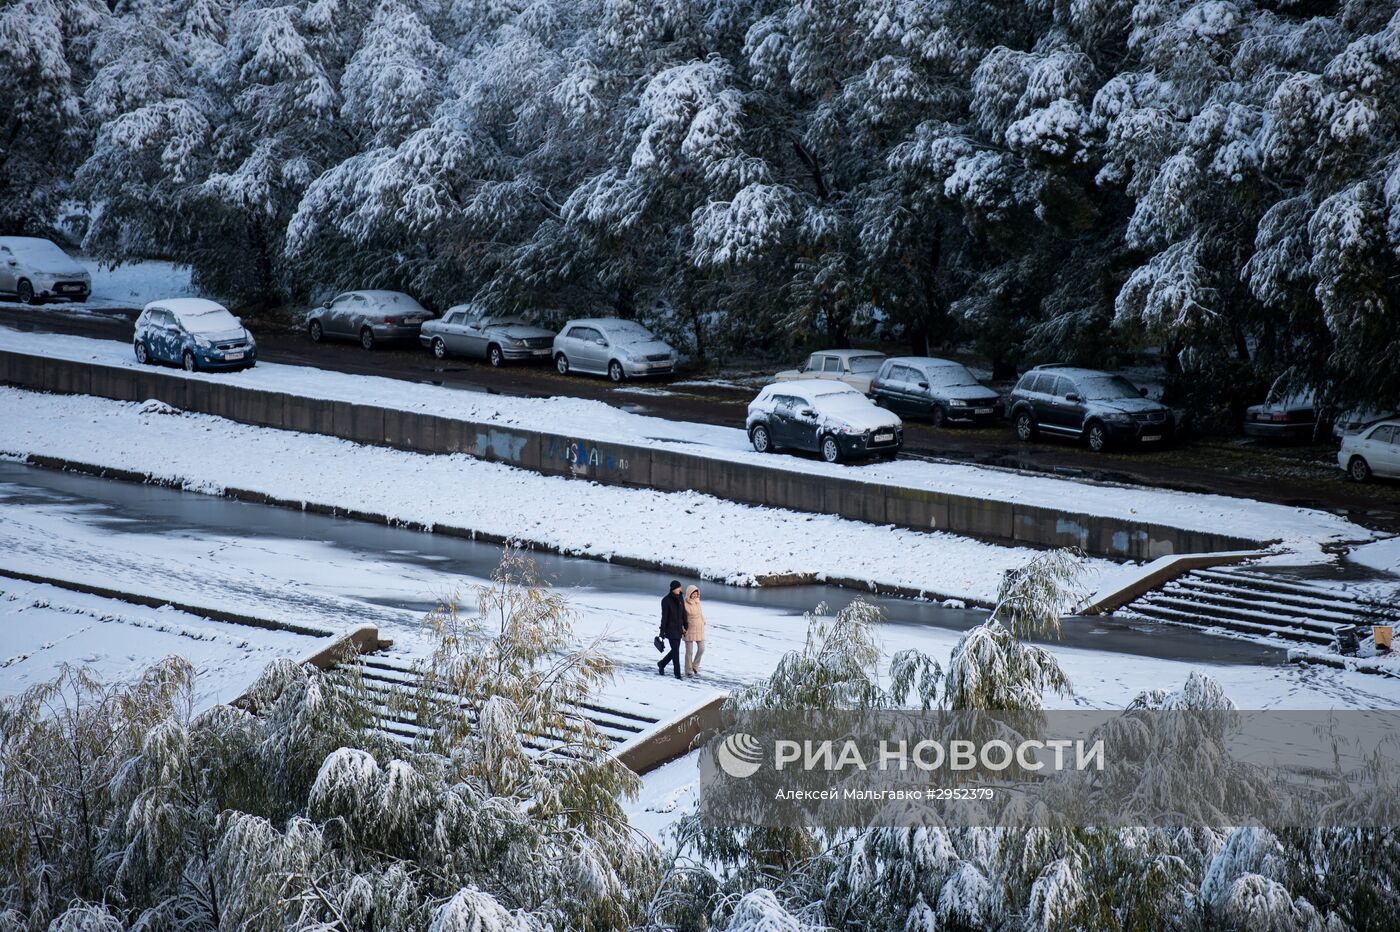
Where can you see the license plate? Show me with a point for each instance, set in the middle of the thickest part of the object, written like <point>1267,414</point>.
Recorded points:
<point>234,354</point>
<point>983,411</point>
<point>1147,437</point>
<point>413,320</point>
<point>539,352</point>
<point>661,365</point>
<point>883,438</point>
<point>70,288</point>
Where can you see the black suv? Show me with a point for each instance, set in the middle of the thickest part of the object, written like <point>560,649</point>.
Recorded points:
<point>1098,407</point>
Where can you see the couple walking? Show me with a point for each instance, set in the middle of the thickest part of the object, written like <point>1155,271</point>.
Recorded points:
<point>682,619</point>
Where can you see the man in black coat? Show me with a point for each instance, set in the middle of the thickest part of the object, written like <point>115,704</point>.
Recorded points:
<point>672,627</point>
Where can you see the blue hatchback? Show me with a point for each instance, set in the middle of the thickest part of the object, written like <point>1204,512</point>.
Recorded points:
<point>193,333</point>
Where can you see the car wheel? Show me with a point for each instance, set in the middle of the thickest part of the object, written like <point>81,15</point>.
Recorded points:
<point>762,441</point>
<point>561,362</point>
<point>1359,469</point>
<point>25,292</point>
<point>495,357</point>
<point>315,331</point>
<point>439,348</point>
<point>142,356</point>
<point>615,371</point>
<point>1096,436</point>
<point>191,364</point>
<point>831,450</point>
<point>1025,426</point>
<point>366,338</point>
<point>939,415</point>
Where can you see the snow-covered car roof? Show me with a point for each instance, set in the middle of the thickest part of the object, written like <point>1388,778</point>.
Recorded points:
<point>37,250</point>
<point>388,297</point>
<point>182,306</point>
<point>847,353</point>
<point>924,362</point>
<point>198,315</point>
<point>814,388</point>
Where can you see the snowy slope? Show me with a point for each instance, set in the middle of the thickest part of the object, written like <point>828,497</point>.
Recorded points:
<point>717,538</point>
<point>572,417</point>
<point>44,627</point>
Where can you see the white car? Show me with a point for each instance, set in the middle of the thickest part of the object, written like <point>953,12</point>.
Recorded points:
<point>619,349</point>
<point>1372,451</point>
<point>857,368</point>
<point>36,270</point>
<point>822,416</point>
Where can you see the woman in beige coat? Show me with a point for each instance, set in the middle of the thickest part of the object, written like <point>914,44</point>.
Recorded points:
<point>694,636</point>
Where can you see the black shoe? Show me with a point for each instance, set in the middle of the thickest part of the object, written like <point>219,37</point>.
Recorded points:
<point>660,671</point>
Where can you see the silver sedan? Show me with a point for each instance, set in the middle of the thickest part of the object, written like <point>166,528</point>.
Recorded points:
<point>467,330</point>
<point>368,317</point>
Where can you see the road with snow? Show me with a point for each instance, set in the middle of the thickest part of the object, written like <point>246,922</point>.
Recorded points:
<point>333,573</point>
<point>1301,477</point>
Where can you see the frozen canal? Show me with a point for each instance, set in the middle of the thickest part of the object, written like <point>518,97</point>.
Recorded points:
<point>333,573</point>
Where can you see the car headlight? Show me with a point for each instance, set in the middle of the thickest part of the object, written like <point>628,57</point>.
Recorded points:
<point>1119,418</point>
<point>515,342</point>
<point>957,403</point>
<point>202,343</point>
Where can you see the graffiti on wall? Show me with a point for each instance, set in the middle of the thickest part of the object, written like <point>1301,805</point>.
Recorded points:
<point>582,455</point>
<point>500,445</point>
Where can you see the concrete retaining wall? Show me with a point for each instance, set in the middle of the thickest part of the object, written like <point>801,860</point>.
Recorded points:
<point>673,738</point>
<point>622,464</point>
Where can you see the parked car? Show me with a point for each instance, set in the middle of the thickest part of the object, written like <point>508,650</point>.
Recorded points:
<point>468,330</point>
<point>619,349</point>
<point>35,270</point>
<point>857,368</point>
<point>1099,407</point>
<point>368,316</point>
<point>1374,451</point>
<point>1357,420</point>
<point>822,416</point>
<point>939,389</point>
<point>193,333</point>
<point>1283,416</point>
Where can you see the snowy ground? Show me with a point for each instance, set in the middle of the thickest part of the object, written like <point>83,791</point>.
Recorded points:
<point>1383,555</point>
<point>1299,528</point>
<point>46,627</point>
<point>288,569</point>
<point>717,538</point>
<point>133,284</point>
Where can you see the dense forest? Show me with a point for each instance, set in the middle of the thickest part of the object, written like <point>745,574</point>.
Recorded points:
<point>1079,180</point>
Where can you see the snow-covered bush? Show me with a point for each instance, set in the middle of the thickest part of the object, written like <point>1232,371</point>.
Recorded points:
<point>120,806</point>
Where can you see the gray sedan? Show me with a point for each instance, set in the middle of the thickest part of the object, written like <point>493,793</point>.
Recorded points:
<point>467,330</point>
<point>368,317</point>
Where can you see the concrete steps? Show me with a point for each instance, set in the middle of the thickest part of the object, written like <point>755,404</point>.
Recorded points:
<point>1252,602</point>
<point>384,673</point>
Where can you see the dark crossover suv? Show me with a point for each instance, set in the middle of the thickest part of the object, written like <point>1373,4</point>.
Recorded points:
<point>938,389</point>
<point>827,417</point>
<point>1098,407</point>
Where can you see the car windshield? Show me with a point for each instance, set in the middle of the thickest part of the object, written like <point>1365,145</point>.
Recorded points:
<point>625,331</point>
<point>866,365</point>
<point>505,320</point>
<point>950,376</point>
<point>214,320</point>
<point>1108,388</point>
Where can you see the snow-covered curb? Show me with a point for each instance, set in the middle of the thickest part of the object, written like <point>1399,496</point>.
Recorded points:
<point>1388,665</point>
<point>709,537</point>
<point>1297,528</point>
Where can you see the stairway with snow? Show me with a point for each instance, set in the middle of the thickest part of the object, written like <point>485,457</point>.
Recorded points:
<point>1252,602</point>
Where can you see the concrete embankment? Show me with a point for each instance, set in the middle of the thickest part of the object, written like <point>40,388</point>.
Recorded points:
<point>625,464</point>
